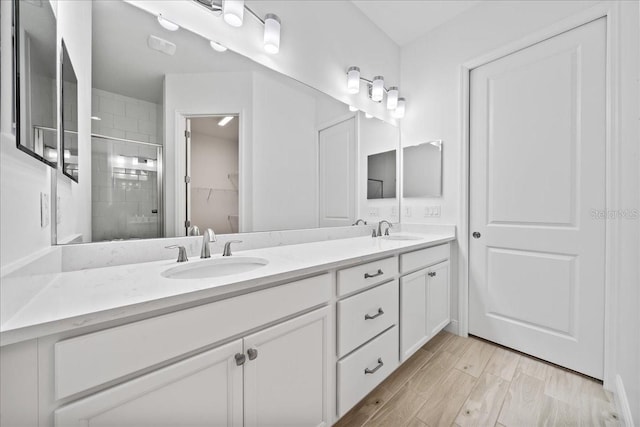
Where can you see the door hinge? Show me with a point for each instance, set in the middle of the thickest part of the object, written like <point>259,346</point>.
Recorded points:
<point>187,223</point>
<point>187,179</point>
<point>187,134</point>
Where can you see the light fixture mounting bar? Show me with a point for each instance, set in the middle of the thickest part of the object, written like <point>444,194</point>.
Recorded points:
<point>215,6</point>
<point>370,83</point>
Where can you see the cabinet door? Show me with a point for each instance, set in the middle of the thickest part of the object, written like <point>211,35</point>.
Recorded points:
<point>285,377</point>
<point>204,390</point>
<point>414,331</point>
<point>438,298</point>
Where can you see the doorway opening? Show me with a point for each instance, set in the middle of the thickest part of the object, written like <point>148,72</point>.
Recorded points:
<point>212,180</point>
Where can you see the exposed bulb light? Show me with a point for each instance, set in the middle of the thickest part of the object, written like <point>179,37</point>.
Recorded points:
<point>166,24</point>
<point>120,160</point>
<point>271,33</point>
<point>377,88</point>
<point>51,153</point>
<point>134,161</point>
<point>217,46</point>
<point>367,115</point>
<point>352,108</point>
<point>392,98</point>
<point>233,12</point>
<point>67,154</point>
<point>398,113</point>
<point>96,118</point>
<point>353,80</point>
<point>225,120</point>
<point>150,163</point>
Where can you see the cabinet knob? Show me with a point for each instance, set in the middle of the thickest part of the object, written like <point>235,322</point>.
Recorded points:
<point>240,359</point>
<point>432,274</point>
<point>253,353</point>
<point>378,366</point>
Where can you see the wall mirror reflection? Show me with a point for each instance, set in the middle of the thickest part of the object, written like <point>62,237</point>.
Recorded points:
<point>167,162</point>
<point>381,175</point>
<point>35,91</point>
<point>69,117</point>
<point>422,170</point>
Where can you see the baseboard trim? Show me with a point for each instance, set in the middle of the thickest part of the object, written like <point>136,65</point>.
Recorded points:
<point>622,404</point>
<point>452,327</point>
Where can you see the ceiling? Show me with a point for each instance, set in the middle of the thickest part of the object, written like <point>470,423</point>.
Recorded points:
<point>209,126</point>
<point>406,20</point>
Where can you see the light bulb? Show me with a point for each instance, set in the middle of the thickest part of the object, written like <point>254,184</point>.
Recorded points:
<point>352,108</point>
<point>134,160</point>
<point>271,33</point>
<point>392,98</point>
<point>233,12</point>
<point>398,113</point>
<point>166,24</point>
<point>353,80</point>
<point>377,88</point>
<point>217,46</point>
<point>67,154</point>
<point>367,115</point>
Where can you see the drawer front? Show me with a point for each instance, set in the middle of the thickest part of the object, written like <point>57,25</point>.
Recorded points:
<point>359,277</point>
<point>93,359</point>
<point>424,258</point>
<point>362,371</point>
<point>363,316</point>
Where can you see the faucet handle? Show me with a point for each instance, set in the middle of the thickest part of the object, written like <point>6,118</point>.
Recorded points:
<point>227,247</point>
<point>182,252</point>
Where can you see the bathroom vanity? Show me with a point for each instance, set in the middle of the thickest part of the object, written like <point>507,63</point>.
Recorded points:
<point>299,340</point>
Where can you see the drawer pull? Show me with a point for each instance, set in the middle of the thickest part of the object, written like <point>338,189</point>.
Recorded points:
<point>432,274</point>
<point>378,314</point>
<point>373,371</point>
<point>368,276</point>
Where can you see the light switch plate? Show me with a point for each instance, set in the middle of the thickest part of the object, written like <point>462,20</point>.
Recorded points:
<point>432,211</point>
<point>44,210</point>
<point>374,212</point>
<point>407,211</point>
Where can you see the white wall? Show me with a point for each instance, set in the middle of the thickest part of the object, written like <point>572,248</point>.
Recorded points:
<point>320,40</point>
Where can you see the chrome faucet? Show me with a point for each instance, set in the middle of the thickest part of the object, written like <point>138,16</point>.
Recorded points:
<point>360,221</point>
<point>207,236</point>
<point>227,247</point>
<point>182,252</point>
<point>386,233</point>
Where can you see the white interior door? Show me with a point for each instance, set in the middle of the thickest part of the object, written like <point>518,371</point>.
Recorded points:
<point>187,177</point>
<point>337,180</point>
<point>537,146</point>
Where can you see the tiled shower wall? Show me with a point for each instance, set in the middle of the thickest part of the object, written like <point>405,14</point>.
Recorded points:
<point>123,203</point>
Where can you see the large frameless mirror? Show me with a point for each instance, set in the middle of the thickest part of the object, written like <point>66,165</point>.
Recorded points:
<point>381,175</point>
<point>34,80</point>
<point>422,170</point>
<point>69,117</point>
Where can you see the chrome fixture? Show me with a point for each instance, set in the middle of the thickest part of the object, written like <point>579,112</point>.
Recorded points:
<point>193,230</point>
<point>207,236</point>
<point>377,91</point>
<point>386,233</point>
<point>182,252</point>
<point>227,247</point>
<point>373,233</point>
<point>360,221</point>
<point>232,11</point>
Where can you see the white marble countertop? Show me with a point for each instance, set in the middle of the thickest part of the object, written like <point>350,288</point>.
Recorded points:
<point>81,298</point>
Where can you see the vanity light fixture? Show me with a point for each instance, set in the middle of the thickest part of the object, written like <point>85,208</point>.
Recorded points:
<point>368,116</point>
<point>232,12</point>
<point>134,161</point>
<point>352,108</point>
<point>217,46</point>
<point>225,120</point>
<point>150,163</point>
<point>166,24</point>
<point>376,91</point>
<point>67,154</point>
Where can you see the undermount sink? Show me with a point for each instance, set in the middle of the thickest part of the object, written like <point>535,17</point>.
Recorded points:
<point>215,268</point>
<point>401,237</point>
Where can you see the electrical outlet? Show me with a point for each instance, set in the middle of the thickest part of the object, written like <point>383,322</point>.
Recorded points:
<point>431,211</point>
<point>375,212</point>
<point>44,210</point>
<point>407,211</point>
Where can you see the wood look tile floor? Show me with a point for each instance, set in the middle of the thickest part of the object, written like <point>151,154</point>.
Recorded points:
<point>470,382</point>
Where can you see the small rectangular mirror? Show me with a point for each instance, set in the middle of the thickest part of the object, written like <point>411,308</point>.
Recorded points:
<point>381,175</point>
<point>69,110</point>
<point>34,80</point>
<point>422,170</point>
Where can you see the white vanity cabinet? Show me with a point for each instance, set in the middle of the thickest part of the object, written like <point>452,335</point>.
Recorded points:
<point>273,377</point>
<point>424,297</point>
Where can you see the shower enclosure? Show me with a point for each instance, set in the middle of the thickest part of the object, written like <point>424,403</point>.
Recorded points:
<point>126,189</point>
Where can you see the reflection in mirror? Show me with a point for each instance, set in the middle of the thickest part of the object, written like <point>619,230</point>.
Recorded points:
<point>69,117</point>
<point>161,166</point>
<point>35,110</point>
<point>381,175</point>
<point>422,170</point>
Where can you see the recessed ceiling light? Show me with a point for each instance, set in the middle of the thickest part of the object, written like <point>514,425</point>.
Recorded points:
<point>225,120</point>
<point>166,24</point>
<point>217,46</point>
<point>161,45</point>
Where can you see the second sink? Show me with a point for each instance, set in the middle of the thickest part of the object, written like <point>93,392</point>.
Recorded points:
<point>215,267</point>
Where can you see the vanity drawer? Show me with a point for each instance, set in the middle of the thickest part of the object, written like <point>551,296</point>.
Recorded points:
<point>94,359</point>
<point>424,258</point>
<point>363,316</point>
<point>362,371</point>
<point>355,278</point>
